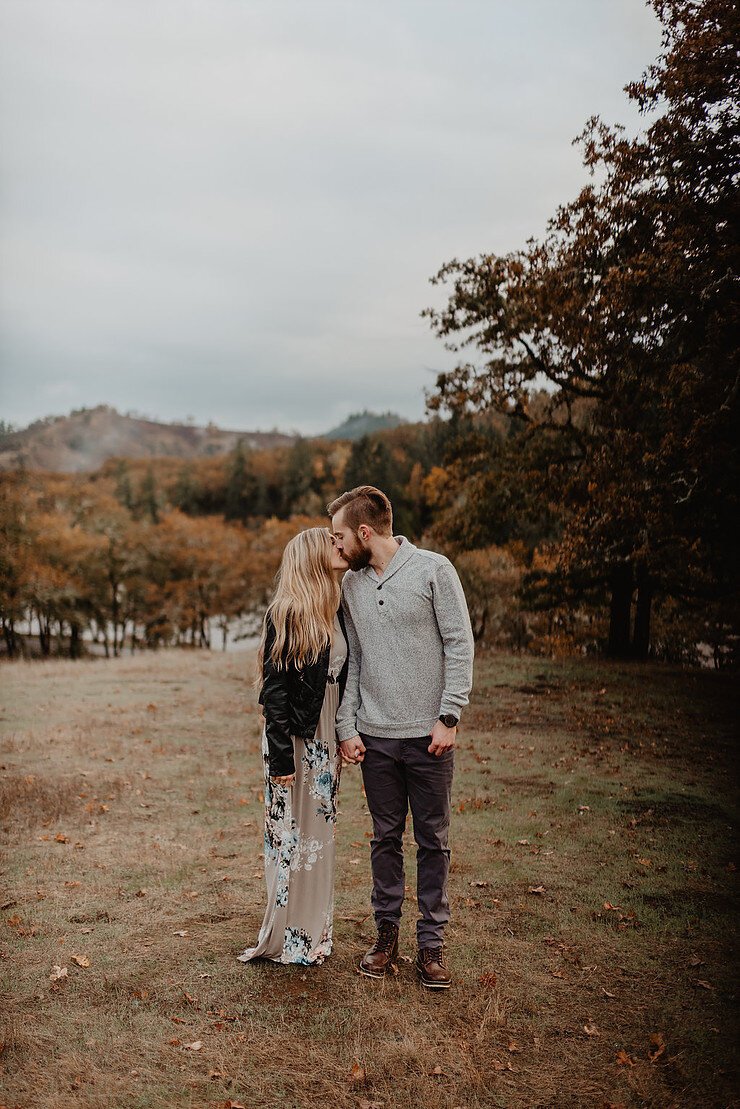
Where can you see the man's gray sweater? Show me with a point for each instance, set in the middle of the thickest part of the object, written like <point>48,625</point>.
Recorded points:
<point>410,646</point>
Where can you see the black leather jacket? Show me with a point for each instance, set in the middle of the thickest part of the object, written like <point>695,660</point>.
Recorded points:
<point>292,701</point>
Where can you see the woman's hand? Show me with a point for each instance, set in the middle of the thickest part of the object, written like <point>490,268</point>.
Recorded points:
<point>283,779</point>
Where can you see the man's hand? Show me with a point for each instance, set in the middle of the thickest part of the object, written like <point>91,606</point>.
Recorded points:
<point>283,779</point>
<point>443,739</point>
<point>352,750</point>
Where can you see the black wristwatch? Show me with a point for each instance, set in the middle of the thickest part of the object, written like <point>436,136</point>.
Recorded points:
<point>449,720</point>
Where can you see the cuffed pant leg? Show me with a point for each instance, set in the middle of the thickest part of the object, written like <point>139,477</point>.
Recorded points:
<point>429,782</point>
<point>384,778</point>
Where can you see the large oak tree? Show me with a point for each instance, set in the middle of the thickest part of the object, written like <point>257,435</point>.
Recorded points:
<point>626,314</point>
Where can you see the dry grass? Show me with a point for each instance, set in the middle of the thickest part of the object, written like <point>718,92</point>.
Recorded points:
<point>131,810</point>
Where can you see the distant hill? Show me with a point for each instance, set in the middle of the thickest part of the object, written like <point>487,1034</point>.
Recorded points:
<point>364,423</point>
<point>86,438</point>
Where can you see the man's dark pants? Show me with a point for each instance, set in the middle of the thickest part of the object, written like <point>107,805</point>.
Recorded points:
<point>398,773</point>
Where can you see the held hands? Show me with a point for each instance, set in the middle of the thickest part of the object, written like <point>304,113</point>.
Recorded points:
<point>443,739</point>
<point>352,750</point>
<point>283,779</point>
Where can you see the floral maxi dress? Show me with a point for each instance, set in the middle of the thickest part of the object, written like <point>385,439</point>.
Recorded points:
<point>300,824</point>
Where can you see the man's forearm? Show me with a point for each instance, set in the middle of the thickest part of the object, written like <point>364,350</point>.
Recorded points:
<point>346,722</point>
<point>453,621</point>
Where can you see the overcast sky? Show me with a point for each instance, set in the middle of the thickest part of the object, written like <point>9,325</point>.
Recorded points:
<point>230,209</point>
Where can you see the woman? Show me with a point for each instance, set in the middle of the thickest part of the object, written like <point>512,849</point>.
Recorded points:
<point>303,662</point>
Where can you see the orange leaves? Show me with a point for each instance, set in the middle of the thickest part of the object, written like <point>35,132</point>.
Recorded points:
<point>358,1075</point>
<point>621,919</point>
<point>657,1046</point>
<point>656,1050</point>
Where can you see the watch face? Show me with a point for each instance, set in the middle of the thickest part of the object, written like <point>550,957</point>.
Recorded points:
<point>449,720</point>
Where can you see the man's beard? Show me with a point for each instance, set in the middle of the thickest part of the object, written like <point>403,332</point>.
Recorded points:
<point>359,559</point>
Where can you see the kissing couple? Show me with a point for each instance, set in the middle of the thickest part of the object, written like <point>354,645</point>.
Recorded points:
<point>366,658</point>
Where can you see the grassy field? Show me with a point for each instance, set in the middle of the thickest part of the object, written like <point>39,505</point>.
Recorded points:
<point>592,889</point>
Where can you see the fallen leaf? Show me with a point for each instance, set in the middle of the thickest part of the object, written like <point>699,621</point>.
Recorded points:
<point>624,1060</point>
<point>234,1105</point>
<point>606,993</point>
<point>522,843</point>
<point>584,808</point>
<point>196,1045</point>
<point>557,974</point>
<point>488,979</point>
<point>184,932</point>
<point>536,889</point>
<point>657,1046</point>
<point>480,884</point>
<point>514,1047</point>
<point>591,1030</point>
<point>81,960</point>
<point>363,1103</point>
<point>704,985</point>
<point>436,1070</point>
<point>695,961</point>
<point>61,838</point>
<point>357,1074</point>
<point>58,972</point>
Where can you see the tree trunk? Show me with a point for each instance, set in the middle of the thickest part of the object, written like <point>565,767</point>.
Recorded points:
<point>621,586</point>
<point>11,640</point>
<point>44,636</point>
<point>641,634</point>
<point>74,640</point>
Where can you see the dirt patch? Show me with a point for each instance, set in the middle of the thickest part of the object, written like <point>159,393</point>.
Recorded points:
<point>32,799</point>
<point>528,787</point>
<point>665,809</point>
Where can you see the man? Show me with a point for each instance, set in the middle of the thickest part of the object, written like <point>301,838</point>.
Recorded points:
<point>410,673</point>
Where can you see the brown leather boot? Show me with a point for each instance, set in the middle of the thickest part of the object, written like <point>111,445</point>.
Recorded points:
<point>383,954</point>
<point>432,968</point>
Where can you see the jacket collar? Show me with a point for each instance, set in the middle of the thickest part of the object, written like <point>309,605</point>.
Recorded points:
<point>405,552</point>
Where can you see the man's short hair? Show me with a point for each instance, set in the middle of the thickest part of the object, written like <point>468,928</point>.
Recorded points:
<point>365,505</point>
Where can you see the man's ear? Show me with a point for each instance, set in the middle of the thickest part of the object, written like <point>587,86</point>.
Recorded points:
<point>363,532</point>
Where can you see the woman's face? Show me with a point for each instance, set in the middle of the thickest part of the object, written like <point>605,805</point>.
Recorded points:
<point>338,561</point>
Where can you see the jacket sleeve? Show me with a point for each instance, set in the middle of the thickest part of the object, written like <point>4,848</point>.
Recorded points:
<point>274,699</point>
<point>347,712</point>
<point>453,621</point>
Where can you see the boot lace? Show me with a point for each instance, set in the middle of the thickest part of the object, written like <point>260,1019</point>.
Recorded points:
<point>387,933</point>
<point>433,955</point>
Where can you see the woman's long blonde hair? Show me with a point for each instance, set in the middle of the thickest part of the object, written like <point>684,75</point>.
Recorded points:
<point>305,602</point>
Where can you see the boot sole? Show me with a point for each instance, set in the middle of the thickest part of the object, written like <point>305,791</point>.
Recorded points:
<point>392,968</point>
<point>435,985</point>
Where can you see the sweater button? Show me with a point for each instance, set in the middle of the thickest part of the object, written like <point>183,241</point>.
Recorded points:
<point>380,602</point>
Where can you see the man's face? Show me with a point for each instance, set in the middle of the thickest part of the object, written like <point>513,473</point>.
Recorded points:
<point>349,543</point>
